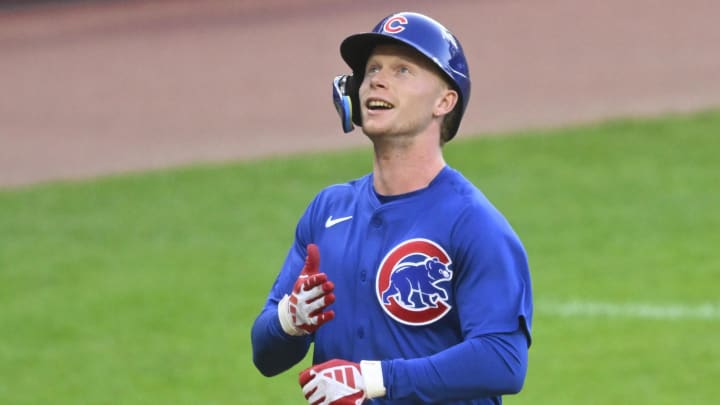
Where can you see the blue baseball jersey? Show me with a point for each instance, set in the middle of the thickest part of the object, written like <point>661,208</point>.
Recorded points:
<point>433,283</point>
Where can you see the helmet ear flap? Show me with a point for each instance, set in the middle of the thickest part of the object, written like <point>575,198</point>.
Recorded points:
<point>347,101</point>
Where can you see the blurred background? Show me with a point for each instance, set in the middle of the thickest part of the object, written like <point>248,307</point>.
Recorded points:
<point>97,87</point>
<point>156,155</point>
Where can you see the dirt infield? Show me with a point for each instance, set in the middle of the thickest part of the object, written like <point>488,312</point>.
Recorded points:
<point>91,88</point>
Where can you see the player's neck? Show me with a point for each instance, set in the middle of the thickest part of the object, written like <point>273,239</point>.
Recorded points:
<point>404,168</point>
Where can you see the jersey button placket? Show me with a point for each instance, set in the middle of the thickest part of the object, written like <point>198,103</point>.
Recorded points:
<point>372,242</point>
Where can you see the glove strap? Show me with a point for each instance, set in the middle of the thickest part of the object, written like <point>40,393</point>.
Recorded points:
<point>285,318</point>
<point>373,377</point>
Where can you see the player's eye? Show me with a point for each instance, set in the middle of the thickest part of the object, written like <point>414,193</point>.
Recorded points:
<point>403,70</point>
<point>372,69</point>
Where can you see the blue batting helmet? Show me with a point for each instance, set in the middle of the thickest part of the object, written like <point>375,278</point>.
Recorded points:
<point>423,34</point>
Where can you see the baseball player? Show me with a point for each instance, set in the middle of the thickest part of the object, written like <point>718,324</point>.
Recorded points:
<point>412,286</point>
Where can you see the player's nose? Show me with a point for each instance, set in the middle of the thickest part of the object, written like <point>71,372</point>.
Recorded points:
<point>379,79</point>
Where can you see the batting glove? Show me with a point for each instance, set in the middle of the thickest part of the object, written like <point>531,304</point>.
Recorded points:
<point>341,382</point>
<point>303,311</point>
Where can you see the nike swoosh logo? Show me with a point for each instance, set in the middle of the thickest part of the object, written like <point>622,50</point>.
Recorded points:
<point>332,222</point>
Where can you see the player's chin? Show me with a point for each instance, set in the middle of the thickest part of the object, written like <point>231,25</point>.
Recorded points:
<point>374,127</point>
<point>374,133</point>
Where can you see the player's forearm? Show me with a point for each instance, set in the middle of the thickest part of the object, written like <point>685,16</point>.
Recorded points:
<point>273,350</point>
<point>481,367</point>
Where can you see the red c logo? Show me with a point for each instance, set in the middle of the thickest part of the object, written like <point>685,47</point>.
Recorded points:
<point>408,288</point>
<point>395,24</point>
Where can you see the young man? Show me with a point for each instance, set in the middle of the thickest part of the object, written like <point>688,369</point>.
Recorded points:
<point>412,286</point>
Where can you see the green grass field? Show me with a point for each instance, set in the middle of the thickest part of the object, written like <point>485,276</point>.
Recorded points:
<point>142,288</point>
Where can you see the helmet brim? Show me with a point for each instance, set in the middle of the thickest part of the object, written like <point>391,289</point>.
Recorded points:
<point>356,49</point>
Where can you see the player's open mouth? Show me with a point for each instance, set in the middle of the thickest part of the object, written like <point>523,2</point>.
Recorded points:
<point>376,104</point>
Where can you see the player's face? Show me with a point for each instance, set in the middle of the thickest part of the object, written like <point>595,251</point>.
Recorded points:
<point>402,93</point>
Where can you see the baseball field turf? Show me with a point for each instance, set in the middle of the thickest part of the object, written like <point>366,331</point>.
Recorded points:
<point>141,288</point>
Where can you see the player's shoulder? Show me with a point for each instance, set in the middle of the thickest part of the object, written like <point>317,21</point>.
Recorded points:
<point>342,191</point>
<point>461,191</point>
<point>470,202</point>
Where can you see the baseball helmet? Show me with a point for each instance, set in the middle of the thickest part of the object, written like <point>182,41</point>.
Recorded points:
<point>421,33</point>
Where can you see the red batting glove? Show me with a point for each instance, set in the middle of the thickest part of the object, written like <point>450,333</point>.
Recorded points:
<point>303,311</point>
<point>335,382</point>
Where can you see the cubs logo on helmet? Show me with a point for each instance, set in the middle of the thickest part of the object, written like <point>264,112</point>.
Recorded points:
<point>393,25</point>
<point>413,280</point>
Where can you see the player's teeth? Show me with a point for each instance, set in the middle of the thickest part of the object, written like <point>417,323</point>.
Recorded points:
<point>379,104</point>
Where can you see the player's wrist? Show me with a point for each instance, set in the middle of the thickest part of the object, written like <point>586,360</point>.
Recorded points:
<point>373,377</point>
<point>286,322</point>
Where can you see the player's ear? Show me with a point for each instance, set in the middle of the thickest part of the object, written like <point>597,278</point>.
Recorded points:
<point>445,102</point>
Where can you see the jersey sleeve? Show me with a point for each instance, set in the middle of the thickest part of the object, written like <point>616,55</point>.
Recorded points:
<point>493,287</point>
<point>273,350</point>
<point>480,367</point>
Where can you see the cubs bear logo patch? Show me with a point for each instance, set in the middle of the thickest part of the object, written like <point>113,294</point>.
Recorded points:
<point>413,282</point>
